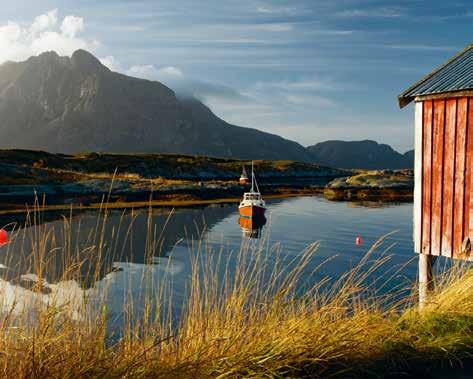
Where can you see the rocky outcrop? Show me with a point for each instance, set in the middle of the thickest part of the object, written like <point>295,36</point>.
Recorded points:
<point>384,185</point>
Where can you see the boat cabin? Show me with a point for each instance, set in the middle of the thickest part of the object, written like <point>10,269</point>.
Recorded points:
<point>251,196</point>
<point>443,204</point>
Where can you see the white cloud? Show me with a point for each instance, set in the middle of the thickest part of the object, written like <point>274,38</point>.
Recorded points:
<point>43,34</point>
<point>423,47</point>
<point>146,71</point>
<point>149,71</point>
<point>44,22</point>
<point>9,33</point>
<point>312,100</point>
<point>110,62</point>
<point>374,13</point>
<point>58,42</point>
<point>71,26</point>
<point>272,27</point>
<point>312,84</point>
<point>277,10</point>
<point>171,71</point>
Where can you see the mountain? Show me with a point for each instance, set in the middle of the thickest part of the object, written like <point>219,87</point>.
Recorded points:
<point>72,104</point>
<point>360,154</point>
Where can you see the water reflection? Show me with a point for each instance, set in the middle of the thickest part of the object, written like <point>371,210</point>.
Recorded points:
<point>137,237</point>
<point>132,265</point>
<point>252,227</point>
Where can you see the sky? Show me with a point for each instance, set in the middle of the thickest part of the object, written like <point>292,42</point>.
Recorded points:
<point>307,70</point>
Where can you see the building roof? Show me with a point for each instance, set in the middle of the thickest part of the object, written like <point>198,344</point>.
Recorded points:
<point>454,75</point>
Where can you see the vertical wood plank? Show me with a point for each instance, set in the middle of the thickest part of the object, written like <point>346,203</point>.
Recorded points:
<point>437,175</point>
<point>468,172</point>
<point>460,152</point>
<point>427,176</point>
<point>448,177</point>
<point>418,151</point>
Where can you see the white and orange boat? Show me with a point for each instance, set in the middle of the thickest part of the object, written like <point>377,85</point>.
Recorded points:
<point>244,178</point>
<point>252,206</point>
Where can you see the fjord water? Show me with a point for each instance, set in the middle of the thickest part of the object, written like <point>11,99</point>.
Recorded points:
<point>292,225</point>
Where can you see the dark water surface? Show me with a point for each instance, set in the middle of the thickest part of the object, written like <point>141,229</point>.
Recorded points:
<point>292,225</point>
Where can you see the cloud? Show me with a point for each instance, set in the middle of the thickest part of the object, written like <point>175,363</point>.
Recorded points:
<point>272,27</point>
<point>170,71</point>
<point>71,26</point>
<point>44,22</point>
<point>311,100</point>
<point>218,96</point>
<point>312,84</point>
<point>112,63</point>
<point>149,71</point>
<point>417,47</point>
<point>280,10</point>
<point>43,34</point>
<point>371,13</point>
<point>144,71</point>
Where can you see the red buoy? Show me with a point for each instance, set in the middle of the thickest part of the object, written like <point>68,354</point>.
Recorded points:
<point>358,241</point>
<point>3,237</point>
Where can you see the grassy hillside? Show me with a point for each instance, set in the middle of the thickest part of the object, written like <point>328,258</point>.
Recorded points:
<point>38,165</point>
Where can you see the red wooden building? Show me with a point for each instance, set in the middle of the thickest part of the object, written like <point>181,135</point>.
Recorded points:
<point>443,204</point>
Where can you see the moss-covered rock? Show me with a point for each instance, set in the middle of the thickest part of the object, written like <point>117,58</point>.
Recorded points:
<point>383,185</point>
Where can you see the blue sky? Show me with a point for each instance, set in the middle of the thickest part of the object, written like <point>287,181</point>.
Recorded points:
<point>305,69</point>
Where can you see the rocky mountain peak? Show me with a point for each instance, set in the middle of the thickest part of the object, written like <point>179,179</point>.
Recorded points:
<point>86,61</point>
<point>63,104</point>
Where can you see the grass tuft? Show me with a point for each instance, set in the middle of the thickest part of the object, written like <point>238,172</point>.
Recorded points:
<point>244,320</point>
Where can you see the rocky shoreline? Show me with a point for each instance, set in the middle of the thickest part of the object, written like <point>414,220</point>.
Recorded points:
<point>87,180</point>
<point>374,185</point>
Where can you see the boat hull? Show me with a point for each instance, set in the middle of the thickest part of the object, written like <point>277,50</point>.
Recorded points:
<point>251,212</point>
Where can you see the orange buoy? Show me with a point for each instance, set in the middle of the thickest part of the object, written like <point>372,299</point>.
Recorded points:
<point>3,237</point>
<point>358,241</point>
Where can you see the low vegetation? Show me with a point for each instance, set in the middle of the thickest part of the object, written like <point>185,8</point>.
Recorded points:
<point>167,179</point>
<point>38,164</point>
<point>251,321</point>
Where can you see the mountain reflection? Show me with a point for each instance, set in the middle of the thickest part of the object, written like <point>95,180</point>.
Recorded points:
<point>95,243</point>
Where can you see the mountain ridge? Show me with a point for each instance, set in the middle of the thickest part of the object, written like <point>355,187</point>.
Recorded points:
<point>364,154</point>
<point>67,105</point>
<point>75,104</point>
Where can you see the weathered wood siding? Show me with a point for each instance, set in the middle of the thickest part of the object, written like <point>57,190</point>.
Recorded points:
<point>443,204</point>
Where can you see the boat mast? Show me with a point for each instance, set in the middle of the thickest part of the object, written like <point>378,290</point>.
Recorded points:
<point>252,177</point>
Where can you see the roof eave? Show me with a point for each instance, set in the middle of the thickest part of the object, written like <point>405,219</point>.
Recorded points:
<point>405,100</point>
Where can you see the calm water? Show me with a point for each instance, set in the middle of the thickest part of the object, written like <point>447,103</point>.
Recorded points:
<point>292,225</point>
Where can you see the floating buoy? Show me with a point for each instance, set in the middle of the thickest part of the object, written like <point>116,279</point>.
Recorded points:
<point>3,237</point>
<point>358,241</point>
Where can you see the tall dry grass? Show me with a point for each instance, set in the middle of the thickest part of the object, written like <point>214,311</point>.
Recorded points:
<point>245,319</point>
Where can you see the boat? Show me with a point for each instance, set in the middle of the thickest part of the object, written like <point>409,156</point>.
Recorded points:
<point>252,206</point>
<point>244,177</point>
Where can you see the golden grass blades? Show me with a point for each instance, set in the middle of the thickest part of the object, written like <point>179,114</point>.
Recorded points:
<point>67,310</point>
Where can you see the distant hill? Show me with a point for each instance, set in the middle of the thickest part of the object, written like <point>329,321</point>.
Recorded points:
<point>67,105</point>
<point>360,154</point>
